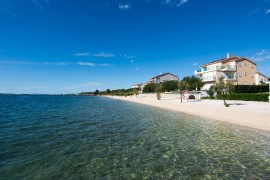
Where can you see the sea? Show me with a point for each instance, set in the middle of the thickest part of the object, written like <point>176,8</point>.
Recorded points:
<point>87,137</point>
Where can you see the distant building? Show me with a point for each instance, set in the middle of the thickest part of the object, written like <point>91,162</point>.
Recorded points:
<point>157,79</point>
<point>139,86</point>
<point>163,77</point>
<point>238,70</point>
<point>260,78</point>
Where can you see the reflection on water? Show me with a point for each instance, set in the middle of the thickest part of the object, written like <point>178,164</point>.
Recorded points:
<point>67,137</point>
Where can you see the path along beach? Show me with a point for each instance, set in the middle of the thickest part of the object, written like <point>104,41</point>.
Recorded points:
<point>245,113</point>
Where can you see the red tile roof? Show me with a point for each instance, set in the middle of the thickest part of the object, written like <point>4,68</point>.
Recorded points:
<point>221,60</point>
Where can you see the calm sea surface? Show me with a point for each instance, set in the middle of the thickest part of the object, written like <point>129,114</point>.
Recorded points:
<point>80,137</point>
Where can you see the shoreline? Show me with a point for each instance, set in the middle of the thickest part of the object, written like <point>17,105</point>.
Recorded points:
<point>251,114</point>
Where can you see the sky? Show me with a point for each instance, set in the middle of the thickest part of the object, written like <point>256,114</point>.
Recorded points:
<point>67,46</point>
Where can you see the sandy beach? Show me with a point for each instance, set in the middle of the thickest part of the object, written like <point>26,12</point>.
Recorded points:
<point>245,113</point>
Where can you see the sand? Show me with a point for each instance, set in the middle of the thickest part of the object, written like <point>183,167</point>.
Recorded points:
<point>245,113</point>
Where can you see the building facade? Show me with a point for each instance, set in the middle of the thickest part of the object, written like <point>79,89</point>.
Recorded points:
<point>163,77</point>
<point>238,70</point>
<point>260,78</point>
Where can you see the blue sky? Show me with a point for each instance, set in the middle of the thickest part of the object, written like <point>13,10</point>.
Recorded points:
<point>67,46</point>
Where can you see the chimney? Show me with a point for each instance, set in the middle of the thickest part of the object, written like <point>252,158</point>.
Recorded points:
<point>228,55</point>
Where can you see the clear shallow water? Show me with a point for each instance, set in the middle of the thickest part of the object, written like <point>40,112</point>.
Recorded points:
<point>71,137</point>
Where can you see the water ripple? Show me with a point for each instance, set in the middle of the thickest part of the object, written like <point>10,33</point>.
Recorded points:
<point>71,137</point>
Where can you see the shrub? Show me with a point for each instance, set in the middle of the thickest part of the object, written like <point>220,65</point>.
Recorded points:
<point>169,86</point>
<point>245,97</point>
<point>149,88</point>
<point>251,88</point>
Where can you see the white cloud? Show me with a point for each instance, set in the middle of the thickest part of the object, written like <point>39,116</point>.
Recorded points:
<point>103,54</point>
<point>174,2</point>
<point>82,54</point>
<point>132,61</point>
<point>57,63</point>
<point>195,64</point>
<point>137,69</point>
<point>129,57</point>
<point>86,64</point>
<point>100,54</point>
<point>261,56</point>
<point>124,6</point>
<point>253,12</point>
<point>93,64</point>
<point>182,2</point>
<point>267,11</point>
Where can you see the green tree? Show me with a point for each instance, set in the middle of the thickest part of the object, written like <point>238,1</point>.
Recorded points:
<point>96,92</point>
<point>211,92</point>
<point>230,87</point>
<point>108,91</point>
<point>169,86</point>
<point>149,88</point>
<point>136,91</point>
<point>183,85</point>
<point>192,83</point>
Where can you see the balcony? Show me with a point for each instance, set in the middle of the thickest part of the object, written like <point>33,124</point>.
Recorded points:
<point>228,68</point>
<point>215,68</point>
<point>208,78</point>
<point>198,72</point>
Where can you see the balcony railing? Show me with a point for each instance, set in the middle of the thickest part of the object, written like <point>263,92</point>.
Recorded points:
<point>215,68</point>
<point>228,68</point>
<point>208,78</point>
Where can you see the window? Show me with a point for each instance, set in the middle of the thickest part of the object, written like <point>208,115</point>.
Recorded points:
<point>251,74</point>
<point>239,74</point>
<point>245,73</point>
<point>245,64</point>
<point>251,65</point>
<point>239,64</point>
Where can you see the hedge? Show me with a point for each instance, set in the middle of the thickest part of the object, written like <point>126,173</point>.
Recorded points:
<point>245,96</point>
<point>251,88</point>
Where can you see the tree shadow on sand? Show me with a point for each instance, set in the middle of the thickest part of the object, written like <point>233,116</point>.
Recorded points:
<point>236,104</point>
